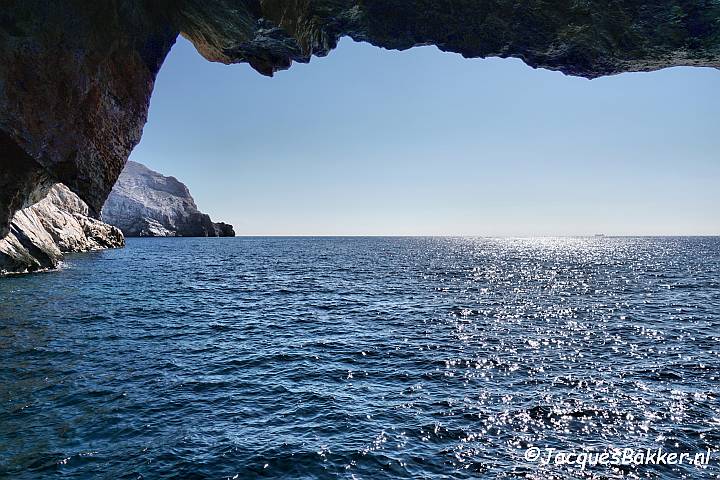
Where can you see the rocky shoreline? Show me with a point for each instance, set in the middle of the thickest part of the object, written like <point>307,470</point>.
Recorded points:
<point>77,77</point>
<point>145,203</point>
<point>58,224</point>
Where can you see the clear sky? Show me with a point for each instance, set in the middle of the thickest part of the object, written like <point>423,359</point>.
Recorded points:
<point>373,142</point>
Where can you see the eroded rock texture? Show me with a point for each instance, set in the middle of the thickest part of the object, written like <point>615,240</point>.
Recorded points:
<point>145,203</point>
<point>578,37</point>
<point>57,224</point>
<point>75,82</point>
<point>76,76</point>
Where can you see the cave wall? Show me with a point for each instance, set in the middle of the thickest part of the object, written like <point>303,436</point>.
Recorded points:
<point>76,76</point>
<point>588,38</point>
<point>75,83</point>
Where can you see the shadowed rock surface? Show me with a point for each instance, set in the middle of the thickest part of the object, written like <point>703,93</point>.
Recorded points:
<point>76,76</point>
<point>145,203</point>
<point>57,224</point>
<point>75,82</point>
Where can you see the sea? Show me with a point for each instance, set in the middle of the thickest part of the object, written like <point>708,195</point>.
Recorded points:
<point>365,358</point>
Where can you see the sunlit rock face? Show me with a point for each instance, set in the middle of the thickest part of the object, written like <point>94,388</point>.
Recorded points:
<point>57,224</point>
<point>145,203</point>
<point>76,76</point>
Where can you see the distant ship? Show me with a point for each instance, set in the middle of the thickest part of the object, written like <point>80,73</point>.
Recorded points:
<point>599,235</point>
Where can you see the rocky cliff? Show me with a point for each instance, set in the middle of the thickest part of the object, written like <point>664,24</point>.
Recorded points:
<point>76,76</point>
<point>57,224</point>
<point>144,203</point>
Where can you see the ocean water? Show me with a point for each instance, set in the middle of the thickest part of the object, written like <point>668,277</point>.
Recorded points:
<point>387,358</point>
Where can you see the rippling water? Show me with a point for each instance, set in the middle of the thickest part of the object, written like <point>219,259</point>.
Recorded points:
<point>361,358</point>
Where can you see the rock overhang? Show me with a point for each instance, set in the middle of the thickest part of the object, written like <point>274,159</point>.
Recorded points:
<point>77,76</point>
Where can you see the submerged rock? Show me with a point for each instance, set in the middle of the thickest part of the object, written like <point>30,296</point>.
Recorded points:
<point>145,203</point>
<point>59,223</point>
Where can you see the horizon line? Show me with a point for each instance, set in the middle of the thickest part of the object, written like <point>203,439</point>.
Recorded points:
<point>679,235</point>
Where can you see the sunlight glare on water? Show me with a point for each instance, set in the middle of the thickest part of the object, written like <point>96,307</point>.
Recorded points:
<point>361,357</point>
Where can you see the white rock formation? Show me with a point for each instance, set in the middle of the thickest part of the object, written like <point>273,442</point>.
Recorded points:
<point>145,203</point>
<point>57,224</point>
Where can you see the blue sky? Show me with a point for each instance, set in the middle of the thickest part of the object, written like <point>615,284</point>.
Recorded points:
<point>373,142</point>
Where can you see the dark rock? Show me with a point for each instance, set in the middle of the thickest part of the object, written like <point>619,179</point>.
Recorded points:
<point>57,224</point>
<point>145,203</point>
<point>75,82</point>
<point>76,75</point>
<point>585,38</point>
<point>224,229</point>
